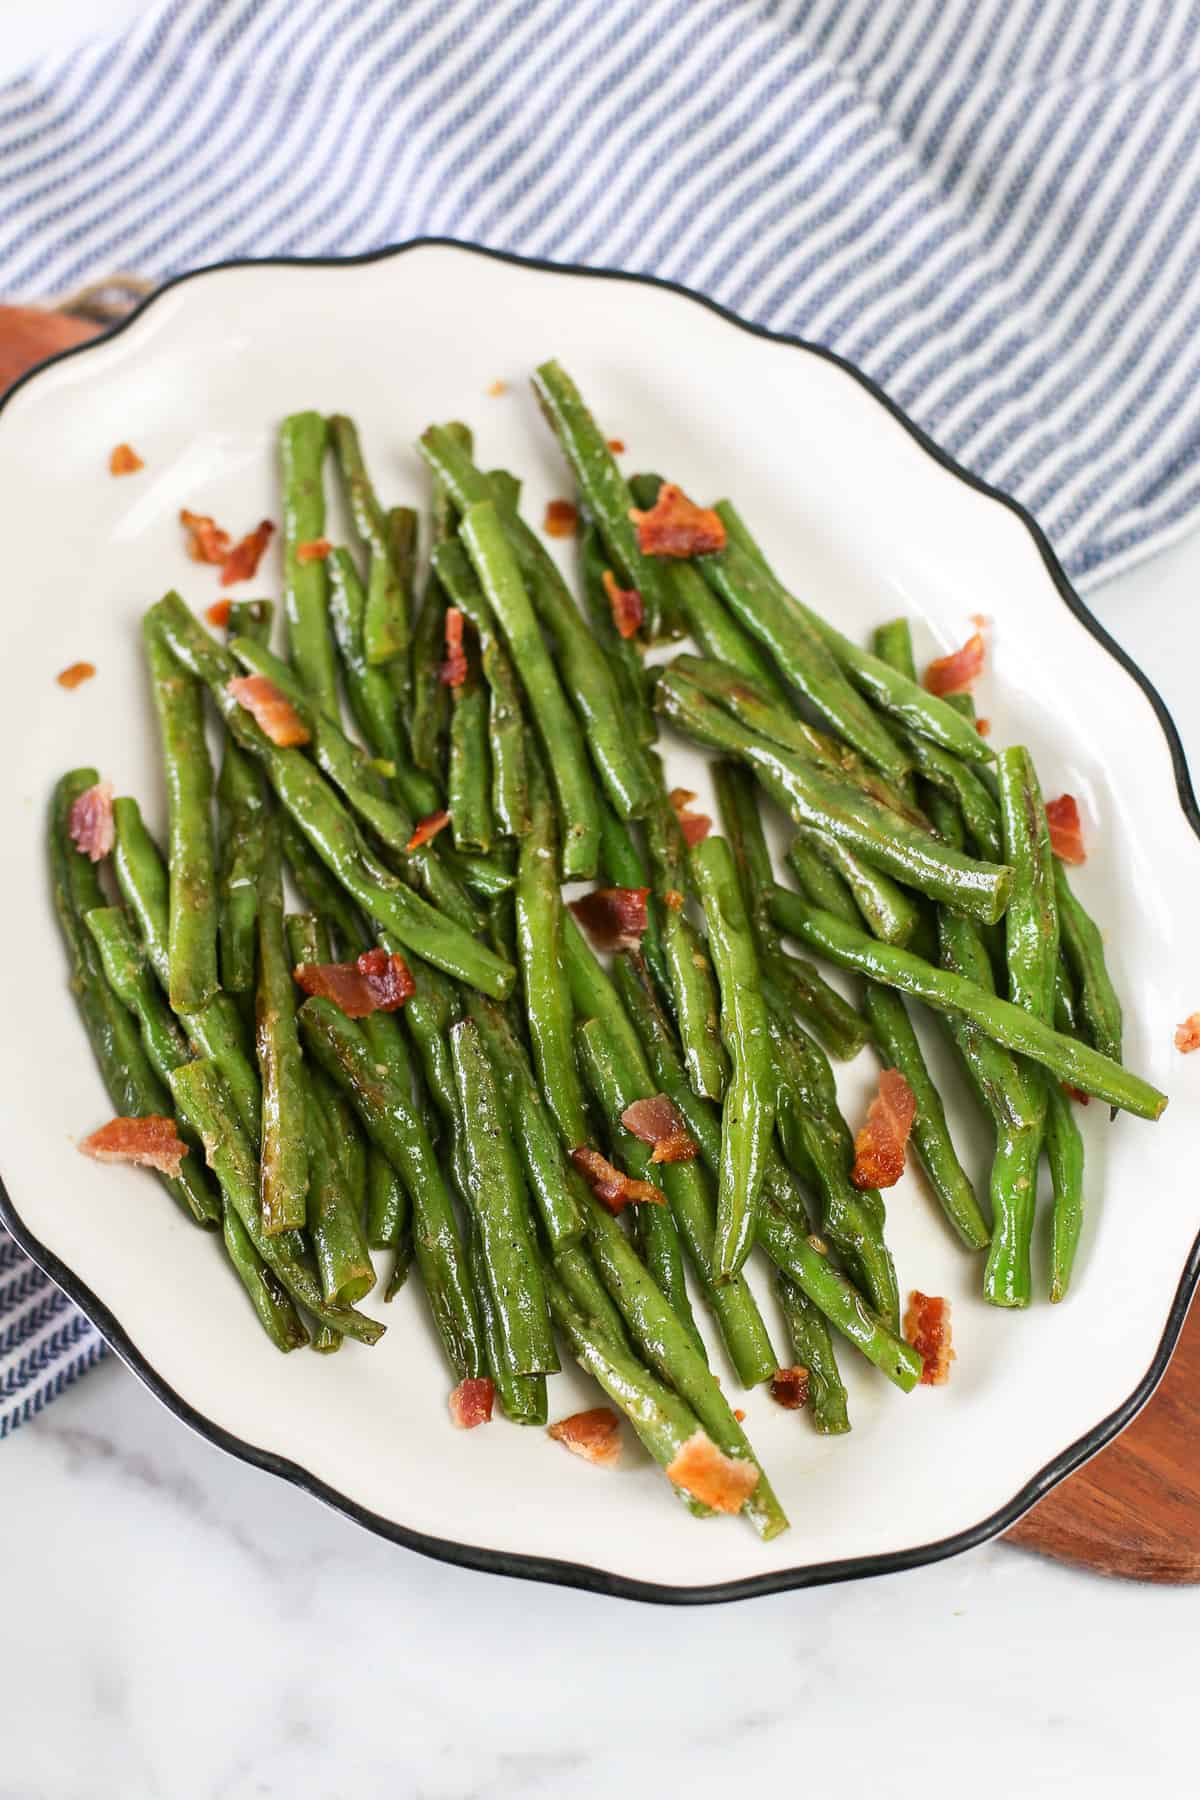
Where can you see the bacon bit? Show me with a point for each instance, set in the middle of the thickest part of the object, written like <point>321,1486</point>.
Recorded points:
<point>616,1189</point>
<point>723,1482</point>
<point>676,526</point>
<point>595,1435</point>
<point>453,671</point>
<point>375,982</point>
<point>626,605</point>
<point>984,727</point>
<point>1066,829</point>
<point>562,520</point>
<point>207,543</point>
<point>125,460</point>
<point>1187,1035</point>
<point>980,619</point>
<point>242,562</point>
<point>658,1121</point>
<point>273,711</point>
<point>90,825</point>
<point>694,826</point>
<point>789,1387</point>
<point>497,388</point>
<point>739,1415</point>
<point>958,672</point>
<point>151,1142</point>
<point>74,673</point>
<point>613,917</point>
<point>617,446</point>
<point>674,899</point>
<point>471,1402</point>
<point>427,828</point>
<point>218,613</point>
<point>879,1146</point>
<point>1076,1094</point>
<point>316,550</point>
<point>927,1329</point>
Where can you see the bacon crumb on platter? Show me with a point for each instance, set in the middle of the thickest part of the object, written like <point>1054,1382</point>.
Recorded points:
<point>723,1482</point>
<point>958,672</point>
<point>617,446</point>
<point>242,562</point>
<point>124,460</point>
<point>611,1186</point>
<point>927,1329</point>
<point>694,826</point>
<point>90,823</point>
<point>75,674</point>
<point>1066,829</point>
<point>1187,1035</point>
<point>615,918</point>
<point>374,982</point>
<point>626,605</point>
<point>789,1387</point>
<point>676,527</point>
<point>879,1148</point>
<point>272,711</point>
<point>659,1122</point>
<point>471,1402</point>
<point>594,1435</point>
<point>561,520</point>
<point>151,1142</point>
<point>206,542</point>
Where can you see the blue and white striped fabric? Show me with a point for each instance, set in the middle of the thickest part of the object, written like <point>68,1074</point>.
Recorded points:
<point>991,206</point>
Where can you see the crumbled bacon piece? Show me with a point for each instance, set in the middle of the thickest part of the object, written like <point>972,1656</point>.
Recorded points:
<point>617,446</point>
<point>927,1329</point>
<point>427,828</point>
<point>723,1482</point>
<point>453,671</point>
<point>218,614</point>
<point>626,605</point>
<point>676,526</point>
<point>595,1435</point>
<point>151,1143</point>
<point>497,388</point>
<point>789,1387</point>
<point>613,917</point>
<point>879,1146</point>
<point>739,1415</point>
<point>1187,1035</point>
<point>1066,829</point>
<point>694,826</point>
<point>958,672</point>
<point>125,460</point>
<point>90,824</point>
<point>471,1402</point>
<point>74,673</point>
<point>674,899</point>
<point>1076,1094</point>
<point>375,982</point>
<point>616,1189</point>
<point>206,543</point>
<point>273,711</point>
<point>316,550</point>
<point>562,519</point>
<point>242,562</point>
<point>658,1121</point>
<point>984,727</point>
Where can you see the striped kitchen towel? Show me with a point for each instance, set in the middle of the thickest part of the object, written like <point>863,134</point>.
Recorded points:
<point>991,206</point>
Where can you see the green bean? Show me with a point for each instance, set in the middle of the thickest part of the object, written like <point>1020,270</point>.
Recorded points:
<point>622,654</point>
<point>270,1299</point>
<point>817,798</point>
<point>888,688</point>
<point>468,764</point>
<point>506,717</point>
<point>386,623</point>
<point>488,877</point>
<point>402,532</point>
<point>240,821</point>
<point>749,1107</point>
<point>1083,946</point>
<point>308,941</point>
<point>833,1019</point>
<point>193,893</point>
<point>284,1170</point>
<point>430,697</point>
<point>689,971</point>
<point>959,780</point>
<point>482,531</point>
<point>1064,1152</point>
<point>618,1082</point>
<point>783,626</point>
<point>1066,1016</point>
<point>204,1103</point>
<point>1065,1058</point>
<point>428,1015</point>
<point>623,865</point>
<point>128,975</point>
<point>667,1347</point>
<point>505,488</point>
<point>321,890</point>
<point>396,1127</point>
<point>522,1397</point>
<point>334,1224</point>
<point>1031,922</point>
<point>892,644</point>
<point>604,489</point>
<point>215,1032</point>
<point>329,828</point>
<point>501,1208</point>
<point>891,913</point>
<point>546,994</point>
<point>812,1347</point>
<point>303,438</point>
<point>821,882</point>
<point>574,1267</point>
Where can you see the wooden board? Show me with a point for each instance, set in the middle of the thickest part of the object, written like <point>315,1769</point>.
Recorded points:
<point>1134,1510</point>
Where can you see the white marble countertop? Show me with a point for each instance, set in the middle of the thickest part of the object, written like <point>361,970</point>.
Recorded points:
<point>181,1625</point>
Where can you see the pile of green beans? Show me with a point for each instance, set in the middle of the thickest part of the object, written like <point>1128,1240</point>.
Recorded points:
<point>430,806</point>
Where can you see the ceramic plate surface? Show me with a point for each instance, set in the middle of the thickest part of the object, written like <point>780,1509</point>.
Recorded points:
<point>861,517</point>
